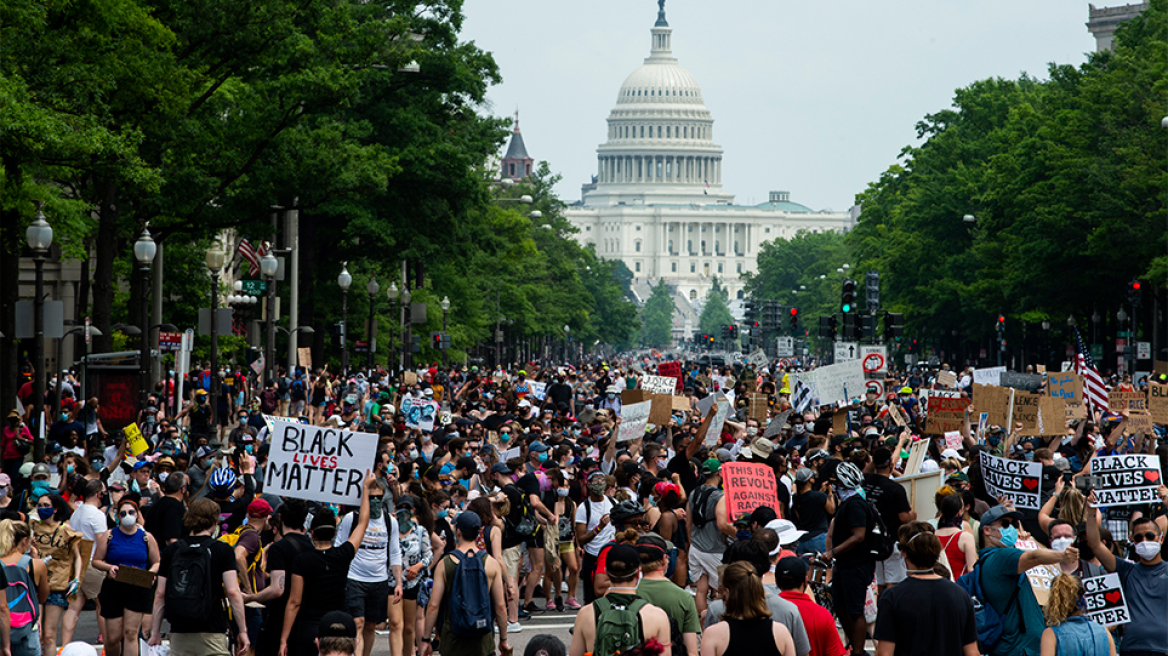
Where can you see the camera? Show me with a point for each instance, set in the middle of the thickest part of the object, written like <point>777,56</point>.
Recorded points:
<point>1086,484</point>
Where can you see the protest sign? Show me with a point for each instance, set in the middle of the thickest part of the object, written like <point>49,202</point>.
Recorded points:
<point>134,440</point>
<point>777,424</point>
<point>837,382</point>
<point>659,384</point>
<point>631,396</point>
<point>1024,382</point>
<point>1075,411</point>
<point>748,486</point>
<point>953,440</point>
<point>839,421</point>
<point>661,410</point>
<point>707,402</point>
<point>1158,402</point>
<point>916,456</point>
<point>714,434</point>
<point>1066,385</point>
<point>634,418</point>
<point>304,357</point>
<point>1105,600</point>
<point>538,389</point>
<point>988,376</point>
<point>1018,480</point>
<point>1052,416</point>
<point>983,422</point>
<point>946,412</point>
<point>673,370</point>
<point>1119,401</point>
<point>947,378</point>
<point>897,417</point>
<point>409,378</point>
<point>140,578</point>
<point>757,359</point>
<point>317,463</point>
<point>504,456</point>
<point>995,401</point>
<point>1136,423</point>
<point>1126,480</point>
<point>759,407</point>
<point>681,403</point>
<point>1039,576</point>
<point>420,414</point>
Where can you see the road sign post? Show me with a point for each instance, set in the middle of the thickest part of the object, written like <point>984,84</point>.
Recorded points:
<point>846,351</point>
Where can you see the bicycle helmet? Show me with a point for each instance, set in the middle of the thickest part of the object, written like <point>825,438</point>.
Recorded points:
<point>222,482</point>
<point>626,510</point>
<point>848,476</point>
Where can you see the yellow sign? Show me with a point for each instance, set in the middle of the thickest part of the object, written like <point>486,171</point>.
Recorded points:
<point>135,441</point>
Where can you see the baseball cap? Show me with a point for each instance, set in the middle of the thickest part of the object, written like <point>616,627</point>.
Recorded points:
<point>337,624</point>
<point>952,453</point>
<point>786,531</point>
<point>763,515</point>
<point>500,468</point>
<point>997,512</point>
<point>803,475</point>
<point>623,560</point>
<point>259,507</point>
<point>5,480</point>
<point>468,521</point>
<point>711,466</point>
<point>791,566</point>
<point>204,451</point>
<point>537,447</point>
<point>653,546</point>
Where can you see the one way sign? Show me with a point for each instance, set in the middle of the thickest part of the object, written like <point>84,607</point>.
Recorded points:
<point>846,351</point>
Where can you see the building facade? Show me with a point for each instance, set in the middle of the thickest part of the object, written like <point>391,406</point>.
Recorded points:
<point>1103,21</point>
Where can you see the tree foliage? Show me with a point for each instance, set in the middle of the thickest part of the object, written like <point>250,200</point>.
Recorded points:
<point>657,317</point>
<point>715,313</point>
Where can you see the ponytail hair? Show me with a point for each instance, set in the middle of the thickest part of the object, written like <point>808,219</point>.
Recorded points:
<point>1065,593</point>
<point>745,597</point>
<point>12,533</point>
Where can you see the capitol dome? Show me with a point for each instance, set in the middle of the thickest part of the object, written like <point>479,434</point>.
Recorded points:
<point>660,147</point>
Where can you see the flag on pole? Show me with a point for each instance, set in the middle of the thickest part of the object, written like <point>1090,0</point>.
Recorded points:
<point>248,252</point>
<point>1093,388</point>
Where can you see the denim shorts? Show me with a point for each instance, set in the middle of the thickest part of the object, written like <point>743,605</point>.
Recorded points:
<point>57,599</point>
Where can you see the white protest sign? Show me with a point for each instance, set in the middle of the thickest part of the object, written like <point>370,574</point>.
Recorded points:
<point>1040,576</point>
<point>538,389</point>
<point>317,463</point>
<point>634,418</point>
<point>988,376</point>
<point>837,382</point>
<point>504,456</point>
<point>1126,480</point>
<point>420,414</point>
<point>715,432</point>
<point>1018,480</point>
<point>659,384</point>
<point>1105,600</point>
<point>757,359</point>
<point>916,457</point>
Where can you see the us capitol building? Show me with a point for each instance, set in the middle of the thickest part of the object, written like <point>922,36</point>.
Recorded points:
<point>657,201</point>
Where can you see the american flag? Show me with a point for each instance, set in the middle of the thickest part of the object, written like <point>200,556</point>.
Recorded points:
<point>1093,387</point>
<point>249,253</point>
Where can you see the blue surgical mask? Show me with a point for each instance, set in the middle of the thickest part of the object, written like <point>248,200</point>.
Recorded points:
<point>1009,536</point>
<point>1029,455</point>
<point>504,437</point>
<point>443,513</point>
<point>994,439</point>
<point>249,448</point>
<point>45,513</point>
<point>542,456</point>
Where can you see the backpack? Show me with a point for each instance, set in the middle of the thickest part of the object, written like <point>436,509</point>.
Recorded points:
<point>470,596</point>
<point>23,609</point>
<point>990,623</point>
<point>618,628</point>
<point>189,595</point>
<point>296,390</point>
<point>527,525</point>
<point>877,540</point>
<point>231,539</point>
<point>701,516</point>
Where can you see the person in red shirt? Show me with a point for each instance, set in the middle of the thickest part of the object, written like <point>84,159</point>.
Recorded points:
<point>791,578</point>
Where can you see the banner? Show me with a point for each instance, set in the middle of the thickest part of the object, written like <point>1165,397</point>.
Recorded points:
<point>946,412</point>
<point>1126,480</point>
<point>1105,600</point>
<point>837,382</point>
<point>748,486</point>
<point>1067,386</point>
<point>317,463</point>
<point>420,414</point>
<point>634,418</point>
<point>134,440</point>
<point>659,384</point>
<point>1018,480</point>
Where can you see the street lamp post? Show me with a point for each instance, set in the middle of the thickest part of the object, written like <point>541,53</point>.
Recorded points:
<point>344,280</point>
<point>392,293</point>
<point>269,265</point>
<point>215,259</point>
<point>1127,349</point>
<point>445,309</point>
<point>372,287</point>
<point>144,250</point>
<point>407,341</point>
<point>567,340</point>
<point>39,236</point>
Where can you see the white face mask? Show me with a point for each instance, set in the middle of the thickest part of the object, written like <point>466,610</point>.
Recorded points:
<point>129,520</point>
<point>562,491</point>
<point>162,477</point>
<point>3,491</point>
<point>1061,544</point>
<point>752,431</point>
<point>1147,549</point>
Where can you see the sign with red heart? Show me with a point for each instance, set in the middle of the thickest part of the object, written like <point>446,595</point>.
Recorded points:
<point>1125,480</point>
<point>1105,601</point>
<point>1017,480</point>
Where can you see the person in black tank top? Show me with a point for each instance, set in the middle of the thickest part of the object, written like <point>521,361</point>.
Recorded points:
<point>746,627</point>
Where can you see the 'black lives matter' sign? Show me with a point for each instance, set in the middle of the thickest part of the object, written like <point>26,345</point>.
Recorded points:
<point>318,463</point>
<point>1018,480</point>
<point>1103,596</point>
<point>1126,480</point>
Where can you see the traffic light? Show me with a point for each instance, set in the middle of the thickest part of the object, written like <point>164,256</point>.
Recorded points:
<point>435,340</point>
<point>750,314</point>
<point>794,320</point>
<point>1001,326</point>
<point>1133,293</point>
<point>867,327</point>
<point>725,332</point>
<point>828,327</point>
<point>872,284</point>
<point>893,325</point>
<point>732,332</point>
<point>848,300</point>
<point>850,330</point>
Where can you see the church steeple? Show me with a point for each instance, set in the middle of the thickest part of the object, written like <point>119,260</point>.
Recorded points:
<point>516,163</point>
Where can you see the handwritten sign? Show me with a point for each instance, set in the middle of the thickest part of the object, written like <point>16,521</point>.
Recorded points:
<point>995,401</point>
<point>1067,386</point>
<point>953,440</point>
<point>1024,382</point>
<point>1136,423</point>
<point>1040,576</point>
<point>988,376</point>
<point>420,414</point>
<point>138,444</point>
<point>946,412</point>
<point>749,486</point>
<point>1158,402</point>
<point>837,382</point>
<point>1105,600</point>
<point>1018,480</point>
<point>757,359</point>
<point>673,370</point>
<point>634,418</point>
<point>947,378</point>
<point>137,577</point>
<point>1120,401</point>
<point>659,384</point>
<point>1126,480</point>
<point>317,463</point>
<point>304,356</point>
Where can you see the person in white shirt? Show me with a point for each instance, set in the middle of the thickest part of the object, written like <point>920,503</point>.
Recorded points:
<point>593,529</point>
<point>367,592</point>
<point>89,520</point>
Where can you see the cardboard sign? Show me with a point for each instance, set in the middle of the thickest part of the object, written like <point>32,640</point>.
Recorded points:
<point>317,463</point>
<point>661,410</point>
<point>1018,480</point>
<point>634,418</point>
<point>953,440</point>
<point>1039,576</point>
<point>1066,385</point>
<point>839,422</point>
<point>1158,402</point>
<point>757,359</point>
<point>1137,423</point>
<point>759,408</point>
<point>1024,382</point>
<point>1052,416</point>
<point>1075,411</point>
<point>134,440</point>
<point>947,379</point>
<point>673,370</point>
<point>1105,600</point>
<point>897,417</point>
<point>988,376</point>
<point>659,384</point>
<point>837,382</point>
<point>1126,480</point>
<point>1119,401</point>
<point>916,456</point>
<point>1026,412</point>
<point>304,357</point>
<point>141,578</point>
<point>409,378</point>
<point>748,486</point>
<point>995,401</point>
<point>681,403</point>
<point>420,414</point>
<point>946,412</point>
<point>538,389</point>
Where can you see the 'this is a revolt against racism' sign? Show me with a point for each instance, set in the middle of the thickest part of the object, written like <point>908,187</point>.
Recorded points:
<point>749,486</point>
<point>1126,480</point>
<point>1018,480</point>
<point>318,463</point>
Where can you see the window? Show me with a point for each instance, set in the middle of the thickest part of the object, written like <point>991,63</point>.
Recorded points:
<point>667,133</point>
<point>684,132</point>
<point>588,229</point>
<point>740,294</point>
<point>689,246</point>
<point>703,247</point>
<point>529,169</point>
<point>739,267</point>
<point>637,266</point>
<point>717,247</point>
<point>673,266</point>
<point>637,247</point>
<point>670,245</point>
<point>642,132</point>
<point>768,230</point>
<point>719,267</point>
<point>736,251</point>
<point>511,169</point>
<point>690,229</point>
<point>692,267</point>
<point>638,227</point>
<point>693,294</point>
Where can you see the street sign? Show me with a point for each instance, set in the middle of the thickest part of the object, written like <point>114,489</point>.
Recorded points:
<point>874,359</point>
<point>1144,350</point>
<point>361,346</point>
<point>1097,351</point>
<point>253,287</point>
<point>846,351</point>
<point>876,386</point>
<point>785,347</point>
<point>169,341</point>
<point>1120,345</point>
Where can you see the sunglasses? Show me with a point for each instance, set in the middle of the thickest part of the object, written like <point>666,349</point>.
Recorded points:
<point>127,513</point>
<point>1007,523</point>
<point>1136,538</point>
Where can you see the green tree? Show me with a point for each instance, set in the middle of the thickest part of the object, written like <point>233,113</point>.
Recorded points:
<point>657,317</point>
<point>715,312</point>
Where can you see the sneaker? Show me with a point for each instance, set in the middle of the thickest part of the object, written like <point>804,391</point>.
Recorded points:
<point>559,605</point>
<point>538,591</point>
<point>564,587</point>
<point>531,607</point>
<point>572,604</point>
<point>523,614</point>
<point>514,627</point>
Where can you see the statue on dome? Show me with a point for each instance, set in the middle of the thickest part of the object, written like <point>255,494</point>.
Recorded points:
<point>660,5</point>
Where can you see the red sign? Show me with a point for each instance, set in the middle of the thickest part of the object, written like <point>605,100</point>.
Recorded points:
<point>169,341</point>
<point>748,486</point>
<point>673,369</point>
<point>874,386</point>
<point>873,362</point>
<point>117,395</point>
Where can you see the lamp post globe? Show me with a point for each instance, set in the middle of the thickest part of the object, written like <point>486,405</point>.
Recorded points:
<point>372,287</point>
<point>215,259</point>
<point>39,234</point>
<point>269,265</point>
<point>345,279</point>
<point>392,292</point>
<point>406,296</point>
<point>145,248</point>
<point>445,303</point>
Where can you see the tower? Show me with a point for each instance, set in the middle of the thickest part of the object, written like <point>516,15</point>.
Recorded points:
<point>516,163</point>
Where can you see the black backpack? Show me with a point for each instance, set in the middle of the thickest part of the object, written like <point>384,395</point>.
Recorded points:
<point>700,501</point>
<point>190,597</point>
<point>877,541</point>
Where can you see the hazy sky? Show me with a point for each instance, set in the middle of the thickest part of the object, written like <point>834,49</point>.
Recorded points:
<point>816,98</point>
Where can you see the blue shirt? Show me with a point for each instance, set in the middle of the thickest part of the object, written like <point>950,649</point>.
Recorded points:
<point>1023,622</point>
<point>1145,588</point>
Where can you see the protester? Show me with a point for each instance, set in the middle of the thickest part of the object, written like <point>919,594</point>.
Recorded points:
<point>707,516</point>
<point>791,579</point>
<point>619,620</point>
<point>60,546</point>
<point>124,604</point>
<point>27,586</point>
<point>1069,631</point>
<point>854,567</point>
<point>89,520</point>
<point>747,626</point>
<point>656,589</point>
<point>594,529</point>
<point>367,593</point>
<point>288,524</point>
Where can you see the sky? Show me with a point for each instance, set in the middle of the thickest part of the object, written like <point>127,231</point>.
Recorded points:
<point>815,98</point>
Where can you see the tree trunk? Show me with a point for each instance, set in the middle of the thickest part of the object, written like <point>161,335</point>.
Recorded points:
<point>106,251</point>
<point>82,302</point>
<point>12,243</point>
<point>308,260</point>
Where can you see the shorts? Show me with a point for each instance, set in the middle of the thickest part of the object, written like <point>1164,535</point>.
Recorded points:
<point>91,584</point>
<point>411,593</point>
<point>57,599</point>
<point>849,586</point>
<point>701,562</point>
<point>511,558</point>
<point>297,408</point>
<point>567,547</point>
<point>117,598</point>
<point>367,600</point>
<point>891,570</point>
<point>199,644</point>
